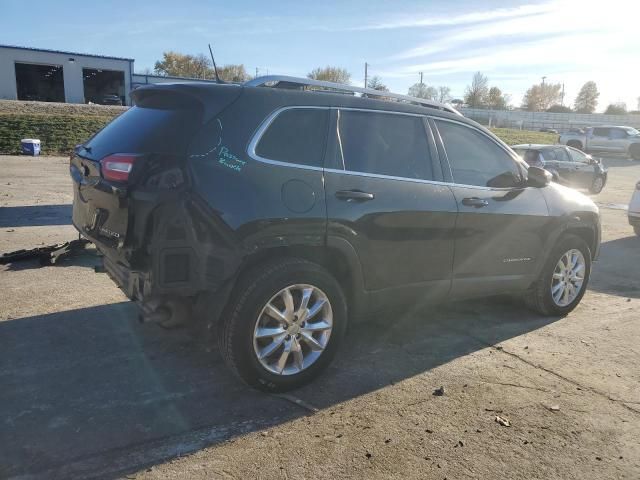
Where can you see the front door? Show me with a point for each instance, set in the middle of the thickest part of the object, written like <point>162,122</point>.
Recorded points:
<point>383,197</point>
<point>501,224</point>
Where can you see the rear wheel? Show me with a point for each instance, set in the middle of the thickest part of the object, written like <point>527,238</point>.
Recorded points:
<point>284,325</point>
<point>597,185</point>
<point>564,278</point>
<point>575,144</point>
<point>634,151</point>
<point>636,228</point>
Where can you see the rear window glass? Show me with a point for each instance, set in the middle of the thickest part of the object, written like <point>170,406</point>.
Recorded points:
<point>383,144</point>
<point>145,130</point>
<point>296,136</point>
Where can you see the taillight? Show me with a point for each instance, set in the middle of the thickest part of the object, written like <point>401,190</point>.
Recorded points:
<point>118,166</point>
<point>638,186</point>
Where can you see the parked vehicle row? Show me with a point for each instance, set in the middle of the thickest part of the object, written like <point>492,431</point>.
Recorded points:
<point>605,138</point>
<point>281,214</point>
<point>569,166</point>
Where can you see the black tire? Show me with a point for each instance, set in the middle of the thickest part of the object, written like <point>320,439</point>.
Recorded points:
<point>634,151</point>
<point>574,144</point>
<point>253,291</point>
<point>636,229</point>
<point>597,185</point>
<point>539,298</point>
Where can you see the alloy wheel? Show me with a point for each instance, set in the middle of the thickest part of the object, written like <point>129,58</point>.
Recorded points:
<point>568,277</point>
<point>293,329</point>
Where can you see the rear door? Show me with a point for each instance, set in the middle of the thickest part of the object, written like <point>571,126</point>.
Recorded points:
<point>599,139</point>
<point>501,224</point>
<point>384,196</point>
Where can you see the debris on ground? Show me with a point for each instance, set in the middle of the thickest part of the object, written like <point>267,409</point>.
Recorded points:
<point>438,392</point>
<point>553,408</point>
<point>503,421</point>
<point>48,255</point>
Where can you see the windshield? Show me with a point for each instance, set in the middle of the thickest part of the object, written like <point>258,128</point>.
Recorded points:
<point>632,131</point>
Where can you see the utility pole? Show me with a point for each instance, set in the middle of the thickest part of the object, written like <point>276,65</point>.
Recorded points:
<point>543,79</point>
<point>366,66</point>
<point>562,97</point>
<point>420,78</point>
<point>256,73</point>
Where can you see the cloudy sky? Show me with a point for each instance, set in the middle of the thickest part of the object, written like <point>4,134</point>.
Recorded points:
<point>513,43</point>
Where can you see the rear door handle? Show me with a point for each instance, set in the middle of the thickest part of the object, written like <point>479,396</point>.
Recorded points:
<point>474,202</point>
<point>354,195</point>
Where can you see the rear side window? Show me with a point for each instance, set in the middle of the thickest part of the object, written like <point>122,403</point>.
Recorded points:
<point>474,158</point>
<point>600,132</point>
<point>146,130</point>
<point>296,136</point>
<point>383,144</point>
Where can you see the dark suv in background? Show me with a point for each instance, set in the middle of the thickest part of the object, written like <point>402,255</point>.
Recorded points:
<point>278,213</point>
<point>567,165</point>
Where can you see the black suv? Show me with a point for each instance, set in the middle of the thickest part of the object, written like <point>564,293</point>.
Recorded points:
<point>567,165</point>
<point>278,213</point>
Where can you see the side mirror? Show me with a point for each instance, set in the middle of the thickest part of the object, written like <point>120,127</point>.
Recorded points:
<point>538,177</point>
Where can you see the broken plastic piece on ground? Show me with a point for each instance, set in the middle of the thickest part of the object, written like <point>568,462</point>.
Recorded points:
<point>48,255</point>
<point>503,421</point>
<point>438,392</point>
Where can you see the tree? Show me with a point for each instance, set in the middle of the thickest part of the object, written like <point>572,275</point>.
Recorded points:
<point>376,84</point>
<point>176,64</point>
<point>180,65</point>
<point>420,90</point>
<point>330,74</point>
<point>587,99</point>
<point>444,94</point>
<point>233,73</point>
<point>540,97</point>
<point>616,109</point>
<point>496,100</point>
<point>476,94</point>
<point>559,109</point>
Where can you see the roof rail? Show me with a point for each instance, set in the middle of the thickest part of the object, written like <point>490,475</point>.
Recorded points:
<point>288,82</point>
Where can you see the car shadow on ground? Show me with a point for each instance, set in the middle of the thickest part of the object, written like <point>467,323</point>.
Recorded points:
<point>35,215</point>
<point>616,271</point>
<point>93,392</point>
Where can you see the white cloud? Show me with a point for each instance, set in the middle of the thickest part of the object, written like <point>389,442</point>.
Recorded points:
<point>474,17</point>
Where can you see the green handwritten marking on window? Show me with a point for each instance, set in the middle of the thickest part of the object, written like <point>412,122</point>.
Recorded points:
<point>229,160</point>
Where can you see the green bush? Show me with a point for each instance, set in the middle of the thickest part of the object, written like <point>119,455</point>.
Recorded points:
<point>511,136</point>
<point>58,134</point>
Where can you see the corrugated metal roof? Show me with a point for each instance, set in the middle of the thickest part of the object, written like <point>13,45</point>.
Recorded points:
<point>66,53</point>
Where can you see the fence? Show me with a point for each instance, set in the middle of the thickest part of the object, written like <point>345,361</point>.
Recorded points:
<point>537,120</point>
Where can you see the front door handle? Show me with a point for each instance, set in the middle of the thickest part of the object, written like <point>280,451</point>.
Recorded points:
<point>357,195</point>
<point>474,202</point>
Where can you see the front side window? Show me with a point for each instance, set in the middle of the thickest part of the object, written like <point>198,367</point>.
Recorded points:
<point>618,133</point>
<point>476,159</point>
<point>383,144</point>
<point>296,136</point>
<point>578,156</point>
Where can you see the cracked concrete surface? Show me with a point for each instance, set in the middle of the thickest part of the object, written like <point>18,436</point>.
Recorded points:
<point>85,391</point>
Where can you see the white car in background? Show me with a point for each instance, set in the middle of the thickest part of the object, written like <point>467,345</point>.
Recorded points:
<point>634,210</point>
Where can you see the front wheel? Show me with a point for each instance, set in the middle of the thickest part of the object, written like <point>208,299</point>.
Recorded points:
<point>284,325</point>
<point>597,185</point>
<point>564,278</point>
<point>634,151</point>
